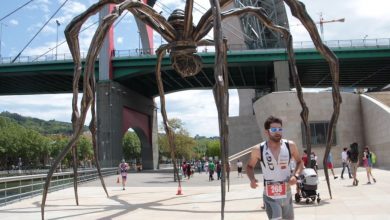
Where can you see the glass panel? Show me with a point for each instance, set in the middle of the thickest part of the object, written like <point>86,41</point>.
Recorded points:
<point>318,133</point>
<point>321,133</point>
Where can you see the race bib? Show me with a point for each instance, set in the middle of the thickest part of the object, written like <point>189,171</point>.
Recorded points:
<point>276,190</point>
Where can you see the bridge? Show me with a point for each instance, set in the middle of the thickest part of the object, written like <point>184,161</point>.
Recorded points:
<point>363,63</point>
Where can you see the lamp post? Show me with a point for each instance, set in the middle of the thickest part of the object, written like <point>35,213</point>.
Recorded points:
<point>364,40</point>
<point>58,24</point>
<point>139,42</point>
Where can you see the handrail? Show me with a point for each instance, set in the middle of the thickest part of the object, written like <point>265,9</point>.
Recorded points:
<point>16,188</point>
<point>354,43</point>
<point>240,154</point>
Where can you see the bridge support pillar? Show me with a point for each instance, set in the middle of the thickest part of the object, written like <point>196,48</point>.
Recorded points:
<point>119,109</point>
<point>281,76</point>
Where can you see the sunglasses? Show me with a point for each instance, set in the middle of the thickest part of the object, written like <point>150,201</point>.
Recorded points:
<point>273,130</point>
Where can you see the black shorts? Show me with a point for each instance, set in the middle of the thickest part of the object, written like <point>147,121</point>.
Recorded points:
<point>239,169</point>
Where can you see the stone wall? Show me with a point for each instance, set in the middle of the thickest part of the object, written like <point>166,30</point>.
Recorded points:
<point>376,123</point>
<point>285,105</point>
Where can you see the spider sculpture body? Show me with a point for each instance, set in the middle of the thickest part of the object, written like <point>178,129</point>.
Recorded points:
<point>183,38</point>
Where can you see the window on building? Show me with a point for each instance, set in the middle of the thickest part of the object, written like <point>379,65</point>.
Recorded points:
<point>318,131</point>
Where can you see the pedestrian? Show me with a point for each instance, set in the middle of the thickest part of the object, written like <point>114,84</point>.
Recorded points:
<point>189,170</point>
<point>184,168</point>
<point>275,155</point>
<point>329,164</point>
<point>206,167</point>
<point>304,158</point>
<point>345,162</point>
<point>123,167</point>
<point>354,158</point>
<point>211,170</point>
<point>313,161</point>
<point>367,163</point>
<point>239,168</point>
<point>219,170</point>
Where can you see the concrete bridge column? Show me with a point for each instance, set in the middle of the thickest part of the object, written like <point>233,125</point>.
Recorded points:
<point>282,76</point>
<point>244,131</point>
<point>119,109</point>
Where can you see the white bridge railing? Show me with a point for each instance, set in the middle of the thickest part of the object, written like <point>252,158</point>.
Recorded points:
<point>16,188</point>
<point>50,56</point>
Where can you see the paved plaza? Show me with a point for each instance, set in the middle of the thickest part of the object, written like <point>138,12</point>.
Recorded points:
<point>153,196</point>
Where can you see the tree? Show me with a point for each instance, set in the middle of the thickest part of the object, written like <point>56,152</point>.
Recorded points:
<point>213,148</point>
<point>185,145</point>
<point>19,142</point>
<point>84,149</point>
<point>131,146</point>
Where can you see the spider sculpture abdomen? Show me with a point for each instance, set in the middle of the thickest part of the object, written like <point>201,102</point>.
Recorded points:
<point>183,48</point>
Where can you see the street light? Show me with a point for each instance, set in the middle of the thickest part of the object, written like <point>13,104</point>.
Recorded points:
<point>364,40</point>
<point>139,42</point>
<point>58,24</point>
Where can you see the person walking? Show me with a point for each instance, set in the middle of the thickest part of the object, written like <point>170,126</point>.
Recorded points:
<point>239,168</point>
<point>219,170</point>
<point>313,161</point>
<point>329,164</point>
<point>354,158</point>
<point>304,158</point>
<point>123,167</point>
<point>367,163</point>
<point>211,170</point>
<point>345,162</point>
<point>275,155</point>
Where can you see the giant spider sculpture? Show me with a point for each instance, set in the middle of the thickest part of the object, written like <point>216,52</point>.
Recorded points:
<point>183,39</point>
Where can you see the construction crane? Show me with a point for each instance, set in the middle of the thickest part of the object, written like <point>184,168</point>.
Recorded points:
<point>322,22</point>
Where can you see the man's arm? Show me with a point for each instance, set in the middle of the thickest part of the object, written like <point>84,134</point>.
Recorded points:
<point>299,163</point>
<point>255,156</point>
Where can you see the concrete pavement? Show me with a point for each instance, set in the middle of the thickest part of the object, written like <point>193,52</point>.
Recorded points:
<point>153,196</point>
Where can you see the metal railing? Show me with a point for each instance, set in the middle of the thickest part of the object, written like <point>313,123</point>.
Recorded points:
<point>16,188</point>
<point>355,43</point>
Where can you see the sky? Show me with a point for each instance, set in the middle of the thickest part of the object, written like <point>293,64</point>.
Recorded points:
<point>363,20</point>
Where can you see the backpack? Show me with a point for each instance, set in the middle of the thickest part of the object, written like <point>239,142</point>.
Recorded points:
<point>373,158</point>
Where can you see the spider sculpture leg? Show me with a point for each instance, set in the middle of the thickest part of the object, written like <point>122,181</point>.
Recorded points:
<point>262,16</point>
<point>78,120</point>
<point>75,174</point>
<point>89,90</point>
<point>220,92</point>
<point>171,138</point>
<point>225,158</point>
<point>298,10</point>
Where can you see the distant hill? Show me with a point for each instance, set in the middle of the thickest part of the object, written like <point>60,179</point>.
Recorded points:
<point>41,126</point>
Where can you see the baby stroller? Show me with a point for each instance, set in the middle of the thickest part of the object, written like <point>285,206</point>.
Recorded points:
<point>307,186</point>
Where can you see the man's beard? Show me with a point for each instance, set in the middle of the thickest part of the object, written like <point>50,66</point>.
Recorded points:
<point>275,138</point>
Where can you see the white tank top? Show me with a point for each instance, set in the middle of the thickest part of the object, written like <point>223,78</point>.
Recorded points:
<point>275,169</point>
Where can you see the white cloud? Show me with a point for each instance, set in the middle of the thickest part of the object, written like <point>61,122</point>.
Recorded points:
<point>371,10</point>
<point>42,5</point>
<point>119,40</point>
<point>14,22</point>
<point>73,8</point>
<point>198,115</point>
